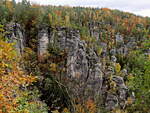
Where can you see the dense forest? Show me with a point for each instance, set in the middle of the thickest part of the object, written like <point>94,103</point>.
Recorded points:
<point>61,59</point>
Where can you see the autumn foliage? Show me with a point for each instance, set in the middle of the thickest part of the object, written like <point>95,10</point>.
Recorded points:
<point>12,78</point>
<point>52,67</point>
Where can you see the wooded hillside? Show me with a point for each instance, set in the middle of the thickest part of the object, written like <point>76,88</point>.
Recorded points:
<point>73,60</point>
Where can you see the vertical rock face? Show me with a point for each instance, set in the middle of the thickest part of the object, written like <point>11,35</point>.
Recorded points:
<point>16,35</point>
<point>83,64</point>
<point>84,67</point>
<point>43,41</point>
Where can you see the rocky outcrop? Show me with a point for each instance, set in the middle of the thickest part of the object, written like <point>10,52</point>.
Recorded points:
<point>83,66</point>
<point>114,100</point>
<point>43,41</point>
<point>87,72</point>
<point>16,35</point>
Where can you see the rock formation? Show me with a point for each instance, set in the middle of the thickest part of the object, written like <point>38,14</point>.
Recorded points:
<point>88,72</point>
<point>16,35</point>
<point>85,67</point>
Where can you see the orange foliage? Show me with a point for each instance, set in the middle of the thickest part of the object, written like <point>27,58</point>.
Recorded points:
<point>35,5</point>
<point>58,13</point>
<point>88,107</point>
<point>105,9</point>
<point>11,77</point>
<point>91,106</point>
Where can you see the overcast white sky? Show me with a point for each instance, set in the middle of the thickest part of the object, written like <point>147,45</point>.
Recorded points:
<point>139,7</point>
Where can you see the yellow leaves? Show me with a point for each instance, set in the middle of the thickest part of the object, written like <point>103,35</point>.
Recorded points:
<point>7,52</point>
<point>113,85</point>
<point>149,56</point>
<point>1,97</point>
<point>130,77</point>
<point>119,111</point>
<point>11,80</point>
<point>79,108</point>
<point>28,51</point>
<point>65,110</point>
<point>117,67</point>
<point>99,50</point>
<point>1,26</point>
<point>129,100</point>
<point>50,18</point>
<point>9,5</point>
<point>53,67</point>
<point>26,111</point>
<point>1,30</point>
<point>56,111</point>
<point>26,80</point>
<point>67,20</point>
<point>32,78</point>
